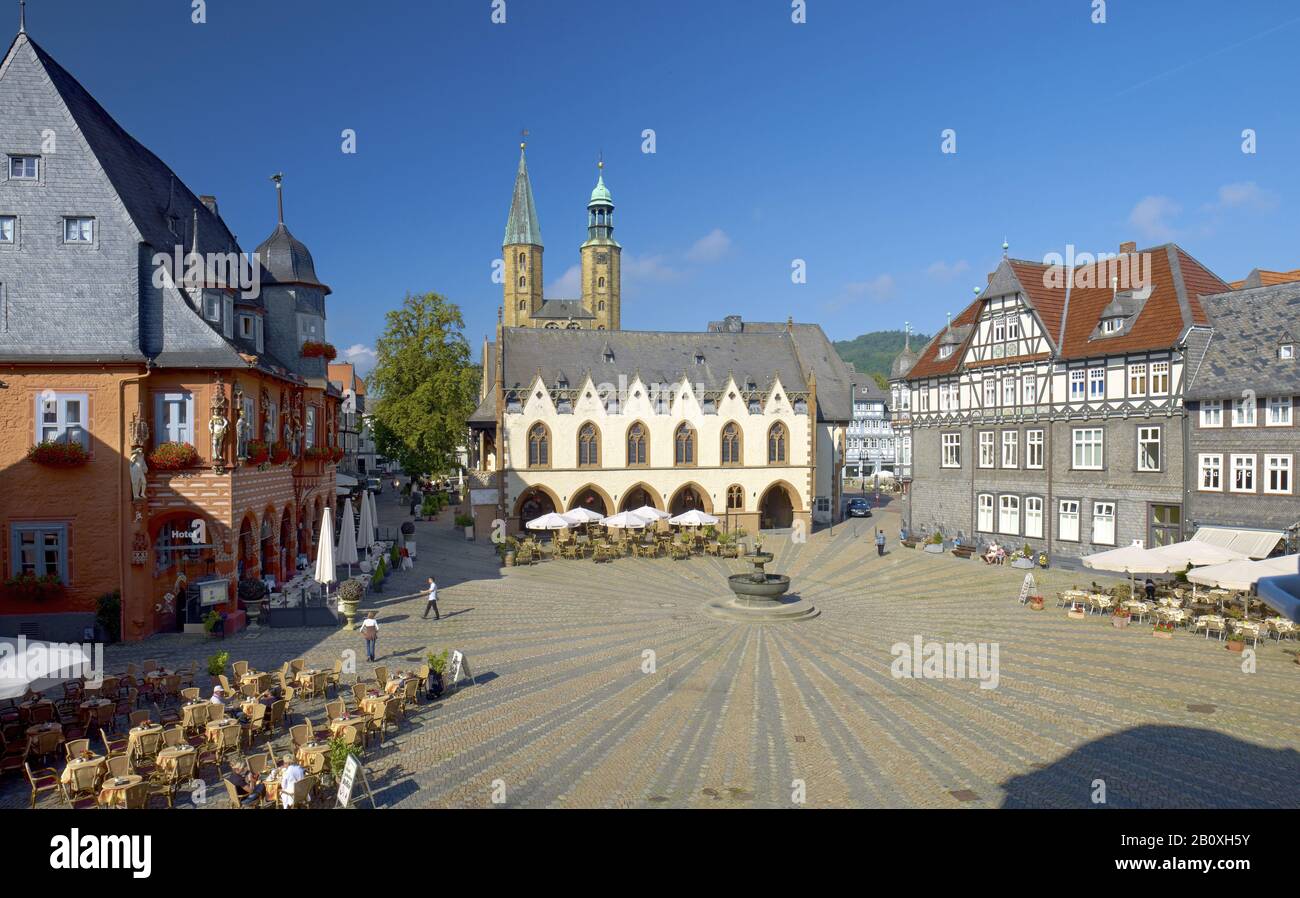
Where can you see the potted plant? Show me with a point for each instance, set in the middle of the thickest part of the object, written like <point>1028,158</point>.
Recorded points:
<point>1235,643</point>
<point>54,454</point>
<point>1042,560</point>
<point>217,665</point>
<point>315,349</point>
<point>377,577</point>
<point>214,623</point>
<point>1036,603</point>
<point>350,592</point>
<point>437,667</point>
<point>338,759</point>
<point>108,615</point>
<point>1077,611</point>
<point>408,529</point>
<point>173,457</point>
<point>252,592</point>
<point>1163,630</point>
<point>258,453</point>
<point>1120,618</point>
<point>934,544</point>
<point>506,549</point>
<point>465,521</point>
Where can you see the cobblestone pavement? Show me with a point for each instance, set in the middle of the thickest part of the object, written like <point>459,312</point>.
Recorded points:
<point>742,715</point>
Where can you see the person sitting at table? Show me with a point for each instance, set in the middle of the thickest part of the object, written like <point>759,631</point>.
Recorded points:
<point>247,785</point>
<point>292,774</point>
<point>991,555</point>
<point>219,698</point>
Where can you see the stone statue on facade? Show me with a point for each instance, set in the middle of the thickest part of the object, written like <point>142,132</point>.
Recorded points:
<point>218,424</point>
<point>139,470</point>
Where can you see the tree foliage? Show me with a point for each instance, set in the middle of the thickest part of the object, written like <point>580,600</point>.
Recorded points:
<point>424,385</point>
<point>874,352</point>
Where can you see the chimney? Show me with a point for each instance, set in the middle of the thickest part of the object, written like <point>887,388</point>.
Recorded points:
<point>1128,247</point>
<point>211,203</point>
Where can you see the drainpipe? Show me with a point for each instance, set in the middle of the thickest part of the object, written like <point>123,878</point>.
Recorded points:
<point>123,548</point>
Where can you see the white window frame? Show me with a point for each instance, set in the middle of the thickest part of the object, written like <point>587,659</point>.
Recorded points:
<point>988,449</point>
<point>1104,515</point>
<point>212,306</point>
<point>990,391</point>
<point>165,433</point>
<point>8,236</point>
<point>1286,352</point>
<point>1278,468</point>
<point>984,513</point>
<point>1096,384</point>
<point>1009,391</point>
<point>1211,413</point>
<point>1013,328</point>
<point>1035,449</point>
<point>309,428</point>
<point>1245,412</point>
<point>60,428</point>
<point>1067,520</point>
<point>1159,382</point>
<point>1009,515</point>
<point>1279,411</point>
<point>1079,448</point>
<point>85,230</point>
<point>1034,517</point>
<point>1137,379</point>
<point>1209,466</point>
<point>24,158</point>
<point>1010,448</point>
<point>1078,384</point>
<point>950,450</point>
<point>1029,390</point>
<point>1243,473</point>
<point>1148,435</point>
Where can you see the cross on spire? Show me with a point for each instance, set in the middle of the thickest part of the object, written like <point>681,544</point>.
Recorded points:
<point>278,178</point>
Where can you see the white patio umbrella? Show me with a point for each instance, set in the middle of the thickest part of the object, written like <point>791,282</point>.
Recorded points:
<point>1129,560</point>
<point>549,521</point>
<point>626,520</point>
<point>1195,553</point>
<point>579,516</point>
<point>693,518</point>
<point>365,527</point>
<point>1242,575</point>
<point>347,548</point>
<point>649,513</point>
<point>36,665</point>
<point>325,573</point>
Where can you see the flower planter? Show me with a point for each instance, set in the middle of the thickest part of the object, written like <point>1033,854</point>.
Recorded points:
<point>254,610</point>
<point>1076,614</point>
<point>1036,603</point>
<point>510,559</point>
<point>349,609</point>
<point>1023,564</point>
<point>934,548</point>
<point>1119,621</point>
<point>1163,634</point>
<point>58,455</point>
<point>1235,645</point>
<point>173,457</point>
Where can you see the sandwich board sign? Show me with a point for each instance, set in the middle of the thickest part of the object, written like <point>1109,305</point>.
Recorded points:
<point>1026,588</point>
<point>458,666</point>
<point>352,771</point>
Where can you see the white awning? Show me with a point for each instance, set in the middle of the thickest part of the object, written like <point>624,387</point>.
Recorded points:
<point>344,480</point>
<point>1251,543</point>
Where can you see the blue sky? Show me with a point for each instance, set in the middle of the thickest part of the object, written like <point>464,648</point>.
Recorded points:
<point>775,141</point>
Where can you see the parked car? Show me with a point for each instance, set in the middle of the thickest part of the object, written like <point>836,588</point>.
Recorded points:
<point>859,508</point>
<point>375,484</point>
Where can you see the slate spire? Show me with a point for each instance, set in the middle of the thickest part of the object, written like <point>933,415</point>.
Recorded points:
<point>522,227</point>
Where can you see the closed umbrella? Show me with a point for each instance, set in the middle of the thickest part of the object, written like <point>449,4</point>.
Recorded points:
<point>325,573</point>
<point>374,512</point>
<point>347,548</point>
<point>366,526</point>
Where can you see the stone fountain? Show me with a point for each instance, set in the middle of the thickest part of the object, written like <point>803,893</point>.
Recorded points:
<point>759,596</point>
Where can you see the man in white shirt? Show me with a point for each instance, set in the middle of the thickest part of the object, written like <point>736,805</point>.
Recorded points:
<point>370,633</point>
<point>431,601</point>
<point>218,696</point>
<point>292,775</point>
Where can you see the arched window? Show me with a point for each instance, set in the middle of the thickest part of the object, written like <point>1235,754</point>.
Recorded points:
<point>776,440</point>
<point>600,306</point>
<point>522,281</point>
<point>600,282</point>
<point>588,446</point>
<point>684,445</point>
<point>523,305</point>
<point>523,261</point>
<point>731,444</point>
<point>636,445</point>
<point>539,447</point>
<point>735,498</point>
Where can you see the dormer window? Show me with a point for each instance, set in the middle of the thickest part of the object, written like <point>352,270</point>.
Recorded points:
<point>1112,325</point>
<point>945,352</point>
<point>212,306</point>
<point>699,358</point>
<point>246,327</point>
<point>24,168</point>
<point>1286,352</point>
<point>609,356</point>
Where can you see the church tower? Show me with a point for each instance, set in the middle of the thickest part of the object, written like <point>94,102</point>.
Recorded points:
<point>600,259</point>
<point>522,253</point>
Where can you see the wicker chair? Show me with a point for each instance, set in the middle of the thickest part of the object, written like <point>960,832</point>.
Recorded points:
<point>75,747</point>
<point>42,779</point>
<point>279,715</point>
<point>137,718</point>
<point>303,791</point>
<point>82,790</point>
<point>117,765</point>
<point>168,780</point>
<point>113,745</point>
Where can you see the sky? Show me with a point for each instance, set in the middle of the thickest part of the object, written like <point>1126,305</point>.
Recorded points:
<point>774,141</point>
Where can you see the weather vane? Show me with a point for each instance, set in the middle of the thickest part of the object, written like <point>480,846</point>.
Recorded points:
<point>524,135</point>
<point>278,178</point>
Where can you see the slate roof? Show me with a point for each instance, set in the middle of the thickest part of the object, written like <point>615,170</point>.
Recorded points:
<point>522,226</point>
<point>1243,352</point>
<point>287,260</point>
<point>563,309</point>
<point>1262,277</point>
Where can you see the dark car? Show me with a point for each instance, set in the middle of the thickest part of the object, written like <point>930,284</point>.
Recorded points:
<point>859,508</point>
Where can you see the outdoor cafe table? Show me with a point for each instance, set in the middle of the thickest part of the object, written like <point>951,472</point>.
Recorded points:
<point>88,707</point>
<point>26,709</point>
<point>136,732</point>
<point>216,726</point>
<point>338,724</point>
<point>187,713</point>
<point>261,680</point>
<point>73,766</point>
<point>158,673</point>
<point>311,748</point>
<point>397,682</point>
<point>168,757</point>
<point>40,728</point>
<point>113,791</point>
<point>304,676</point>
<point>272,783</point>
<point>373,704</point>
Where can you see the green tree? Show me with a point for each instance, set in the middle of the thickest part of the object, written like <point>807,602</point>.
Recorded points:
<point>424,384</point>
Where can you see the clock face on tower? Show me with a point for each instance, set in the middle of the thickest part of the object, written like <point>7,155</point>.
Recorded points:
<point>602,258</point>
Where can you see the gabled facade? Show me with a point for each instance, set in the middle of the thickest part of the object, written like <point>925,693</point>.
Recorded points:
<point>1050,411</point>
<point>170,427</point>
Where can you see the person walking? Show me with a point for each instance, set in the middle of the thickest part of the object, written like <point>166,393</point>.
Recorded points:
<point>880,542</point>
<point>431,601</point>
<point>370,633</point>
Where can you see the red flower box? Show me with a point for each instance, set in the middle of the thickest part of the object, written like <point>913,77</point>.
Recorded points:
<point>336,454</point>
<point>30,588</point>
<point>258,453</point>
<point>320,453</point>
<point>58,455</point>
<point>279,454</point>
<point>173,457</point>
<point>312,349</point>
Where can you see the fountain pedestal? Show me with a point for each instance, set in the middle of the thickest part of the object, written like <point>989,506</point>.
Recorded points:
<point>760,596</point>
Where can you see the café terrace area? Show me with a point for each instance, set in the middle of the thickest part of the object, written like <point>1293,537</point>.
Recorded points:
<point>607,686</point>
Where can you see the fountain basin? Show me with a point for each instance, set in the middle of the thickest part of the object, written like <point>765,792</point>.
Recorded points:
<point>760,597</point>
<point>760,587</point>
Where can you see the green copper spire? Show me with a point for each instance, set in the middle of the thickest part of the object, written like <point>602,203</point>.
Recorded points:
<point>600,209</point>
<point>522,226</point>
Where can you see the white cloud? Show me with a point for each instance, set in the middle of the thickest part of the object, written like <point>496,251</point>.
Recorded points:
<point>360,355</point>
<point>942,271</point>
<point>710,248</point>
<point>879,289</point>
<point>1151,217</point>
<point>1245,195</point>
<point>569,286</point>
<point>647,268</point>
